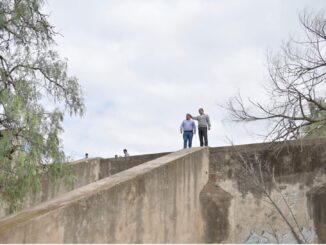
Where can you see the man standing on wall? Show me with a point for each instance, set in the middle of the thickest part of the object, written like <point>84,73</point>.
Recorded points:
<point>203,124</point>
<point>125,153</point>
<point>188,128</point>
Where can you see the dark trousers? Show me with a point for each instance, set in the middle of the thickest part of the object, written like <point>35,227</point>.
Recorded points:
<point>202,132</point>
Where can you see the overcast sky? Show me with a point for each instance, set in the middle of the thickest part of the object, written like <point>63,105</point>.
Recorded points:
<point>144,64</point>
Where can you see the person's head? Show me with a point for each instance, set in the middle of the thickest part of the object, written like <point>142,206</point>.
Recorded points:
<point>86,155</point>
<point>124,150</point>
<point>201,111</point>
<point>188,116</point>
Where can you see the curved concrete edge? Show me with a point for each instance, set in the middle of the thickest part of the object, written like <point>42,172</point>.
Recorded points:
<point>182,174</point>
<point>85,171</point>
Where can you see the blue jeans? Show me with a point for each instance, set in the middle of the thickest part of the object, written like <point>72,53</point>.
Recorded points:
<point>187,137</point>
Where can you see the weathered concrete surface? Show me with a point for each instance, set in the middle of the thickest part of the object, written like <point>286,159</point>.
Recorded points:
<point>110,166</point>
<point>294,178</point>
<point>86,171</point>
<point>317,208</point>
<point>156,202</point>
<point>215,204</point>
<point>170,200</point>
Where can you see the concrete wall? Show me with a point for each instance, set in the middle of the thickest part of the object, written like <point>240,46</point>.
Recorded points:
<point>294,177</point>
<point>112,166</point>
<point>156,202</point>
<point>175,199</point>
<point>86,171</point>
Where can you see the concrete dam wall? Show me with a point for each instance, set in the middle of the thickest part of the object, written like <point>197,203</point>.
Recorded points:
<point>268,193</point>
<point>156,202</point>
<point>85,171</point>
<point>258,193</point>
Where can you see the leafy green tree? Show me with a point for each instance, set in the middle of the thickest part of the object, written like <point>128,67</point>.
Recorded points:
<point>35,93</point>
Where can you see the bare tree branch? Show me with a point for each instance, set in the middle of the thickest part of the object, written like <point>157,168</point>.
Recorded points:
<point>297,86</point>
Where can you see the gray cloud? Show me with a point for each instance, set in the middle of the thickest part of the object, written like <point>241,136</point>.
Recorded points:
<point>144,64</point>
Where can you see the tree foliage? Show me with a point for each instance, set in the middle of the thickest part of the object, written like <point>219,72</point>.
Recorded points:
<point>35,93</point>
<point>297,88</point>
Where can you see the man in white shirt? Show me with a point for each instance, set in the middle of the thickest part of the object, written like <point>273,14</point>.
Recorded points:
<point>188,128</point>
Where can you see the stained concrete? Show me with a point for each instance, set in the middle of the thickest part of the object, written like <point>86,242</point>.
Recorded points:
<point>156,202</point>
<point>317,205</point>
<point>291,172</point>
<point>172,200</point>
<point>110,166</point>
<point>85,171</point>
<point>215,204</point>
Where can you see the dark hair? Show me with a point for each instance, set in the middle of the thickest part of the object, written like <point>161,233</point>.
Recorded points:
<point>124,149</point>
